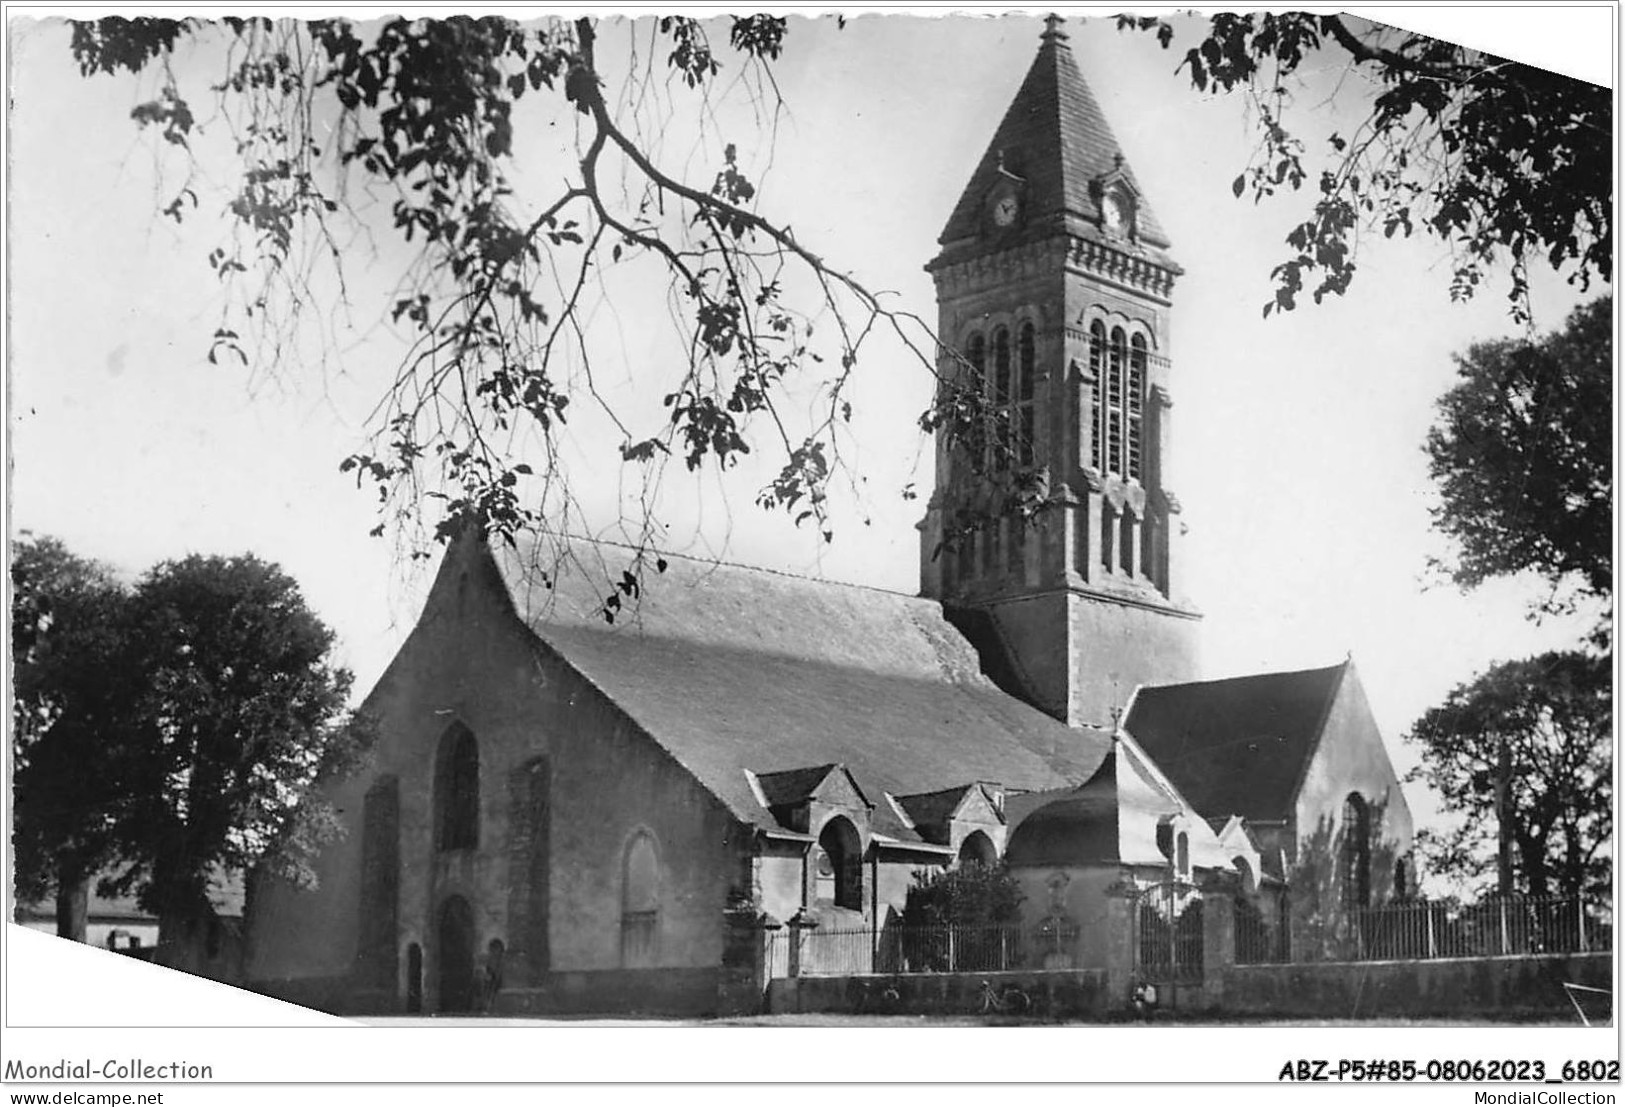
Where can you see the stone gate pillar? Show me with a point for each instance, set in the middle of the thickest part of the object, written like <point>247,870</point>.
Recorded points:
<point>1120,923</point>
<point>1218,941</point>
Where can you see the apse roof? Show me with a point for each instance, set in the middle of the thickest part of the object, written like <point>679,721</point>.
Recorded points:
<point>1236,746</point>
<point>732,668</point>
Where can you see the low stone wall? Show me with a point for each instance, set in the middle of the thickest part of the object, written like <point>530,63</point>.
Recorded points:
<point>1483,987</point>
<point>336,995</point>
<point>1060,994</point>
<point>690,993</point>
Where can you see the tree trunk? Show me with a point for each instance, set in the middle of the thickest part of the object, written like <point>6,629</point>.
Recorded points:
<point>1532,852</point>
<point>1574,862</point>
<point>1503,818</point>
<point>72,906</point>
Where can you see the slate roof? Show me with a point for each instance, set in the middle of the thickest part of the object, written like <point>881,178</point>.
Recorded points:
<point>731,668</point>
<point>1055,138</point>
<point>1236,746</point>
<point>934,809</point>
<point>793,785</point>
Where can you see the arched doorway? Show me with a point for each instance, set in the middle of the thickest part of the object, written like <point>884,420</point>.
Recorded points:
<point>978,849</point>
<point>414,979</point>
<point>456,950</point>
<point>839,865</point>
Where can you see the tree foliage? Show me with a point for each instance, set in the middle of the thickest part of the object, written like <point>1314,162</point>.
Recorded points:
<point>1542,730</point>
<point>170,732</point>
<point>969,895</point>
<point>1503,162</point>
<point>69,694</point>
<point>241,712</point>
<point>1523,454</point>
<point>430,120</point>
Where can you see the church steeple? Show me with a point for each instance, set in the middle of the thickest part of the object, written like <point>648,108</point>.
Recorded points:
<point>1055,142</point>
<point>1051,538</point>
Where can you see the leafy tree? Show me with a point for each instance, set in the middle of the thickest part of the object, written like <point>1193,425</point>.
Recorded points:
<point>969,895</point>
<point>1523,456</point>
<point>417,131</point>
<point>1525,754</point>
<point>69,693</point>
<point>1498,160</point>
<point>241,711</point>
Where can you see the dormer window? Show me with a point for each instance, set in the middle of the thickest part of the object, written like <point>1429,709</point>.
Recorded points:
<point>1117,213</point>
<point>1118,210</point>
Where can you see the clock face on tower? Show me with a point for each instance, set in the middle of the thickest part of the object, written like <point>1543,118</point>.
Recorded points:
<point>1005,210</point>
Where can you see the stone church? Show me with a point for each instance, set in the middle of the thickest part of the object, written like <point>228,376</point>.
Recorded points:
<point>567,814</point>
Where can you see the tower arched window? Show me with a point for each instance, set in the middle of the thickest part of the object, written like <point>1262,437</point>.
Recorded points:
<point>976,354</point>
<point>1097,369</point>
<point>1135,403</point>
<point>1116,372</point>
<point>640,902</point>
<point>999,401</point>
<point>976,386</point>
<point>1022,405</point>
<point>457,790</point>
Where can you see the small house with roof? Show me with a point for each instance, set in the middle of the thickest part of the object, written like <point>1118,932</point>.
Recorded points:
<point>572,812</point>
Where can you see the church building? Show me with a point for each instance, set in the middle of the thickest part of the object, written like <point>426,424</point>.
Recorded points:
<point>568,814</point>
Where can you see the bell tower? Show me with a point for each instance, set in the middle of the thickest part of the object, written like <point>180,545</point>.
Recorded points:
<point>1050,537</point>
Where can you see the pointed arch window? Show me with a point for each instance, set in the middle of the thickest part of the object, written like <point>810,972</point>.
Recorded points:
<point>999,401</point>
<point>1135,403</point>
<point>1356,852</point>
<point>457,790</point>
<point>976,354</point>
<point>1116,355</point>
<point>1022,404</point>
<point>1118,364</point>
<point>1097,369</point>
<point>976,388</point>
<point>640,902</point>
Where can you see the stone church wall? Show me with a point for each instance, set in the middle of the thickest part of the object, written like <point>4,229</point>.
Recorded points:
<point>565,782</point>
<point>1350,758</point>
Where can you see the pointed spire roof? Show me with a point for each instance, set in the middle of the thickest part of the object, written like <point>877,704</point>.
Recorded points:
<point>1056,145</point>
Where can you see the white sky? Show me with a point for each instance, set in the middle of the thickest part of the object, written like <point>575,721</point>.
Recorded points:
<point>1297,439</point>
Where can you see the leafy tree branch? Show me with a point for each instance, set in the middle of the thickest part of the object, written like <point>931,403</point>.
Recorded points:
<point>435,123</point>
<point>1501,162</point>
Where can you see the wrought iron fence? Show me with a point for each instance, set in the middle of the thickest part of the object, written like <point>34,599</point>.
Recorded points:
<point>1260,939</point>
<point>900,949</point>
<point>1495,927</point>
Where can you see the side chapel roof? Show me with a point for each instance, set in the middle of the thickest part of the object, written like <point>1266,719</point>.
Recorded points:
<point>1054,140</point>
<point>1238,746</point>
<point>731,668</point>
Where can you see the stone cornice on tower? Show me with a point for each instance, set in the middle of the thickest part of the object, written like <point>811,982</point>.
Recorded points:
<point>1131,269</point>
